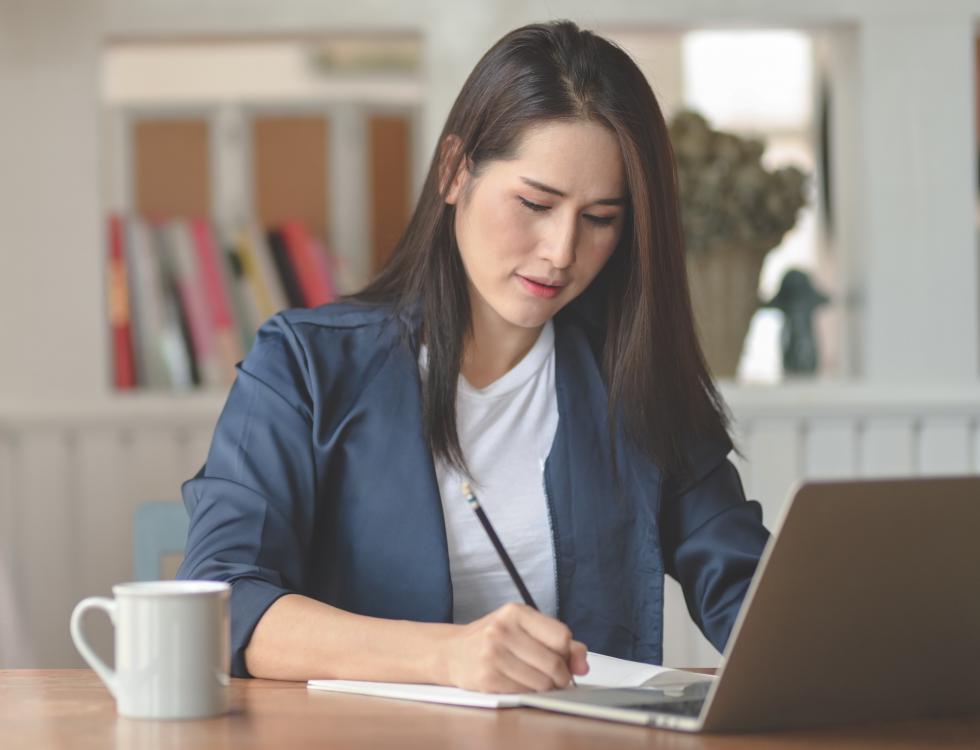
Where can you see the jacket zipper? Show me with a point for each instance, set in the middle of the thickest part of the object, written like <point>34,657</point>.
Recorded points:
<point>554,537</point>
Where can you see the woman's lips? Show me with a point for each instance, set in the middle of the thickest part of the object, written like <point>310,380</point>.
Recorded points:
<point>538,289</point>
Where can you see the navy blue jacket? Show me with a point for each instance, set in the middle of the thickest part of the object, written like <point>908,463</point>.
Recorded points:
<point>319,482</point>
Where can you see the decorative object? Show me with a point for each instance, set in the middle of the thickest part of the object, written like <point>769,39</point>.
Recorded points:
<point>798,298</point>
<point>734,211</point>
<point>391,54</point>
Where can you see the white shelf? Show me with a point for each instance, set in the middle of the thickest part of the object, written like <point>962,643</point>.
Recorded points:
<point>791,400</point>
<point>829,398</point>
<point>157,408</point>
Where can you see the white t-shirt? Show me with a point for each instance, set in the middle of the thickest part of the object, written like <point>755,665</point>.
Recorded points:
<point>505,431</point>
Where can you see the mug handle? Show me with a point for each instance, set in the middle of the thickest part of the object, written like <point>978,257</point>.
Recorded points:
<point>108,676</point>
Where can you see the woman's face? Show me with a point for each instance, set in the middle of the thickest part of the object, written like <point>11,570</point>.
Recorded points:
<point>533,231</point>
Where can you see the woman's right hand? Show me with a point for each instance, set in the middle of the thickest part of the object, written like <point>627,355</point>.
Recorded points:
<point>514,649</point>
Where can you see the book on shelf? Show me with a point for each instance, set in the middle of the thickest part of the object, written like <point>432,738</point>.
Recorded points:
<point>178,342</point>
<point>217,297</point>
<point>162,360</point>
<point>244,300</point>
<point>184,303</point>
<point>327,266</point>
<point>175,240</point>
<point>307,258</point>
<point>287,273</point>
<point>262,272</point>
<point>120,316</point>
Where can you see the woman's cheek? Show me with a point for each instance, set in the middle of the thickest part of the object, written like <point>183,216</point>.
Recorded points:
<point>606,245</point>
<point>527,227</point>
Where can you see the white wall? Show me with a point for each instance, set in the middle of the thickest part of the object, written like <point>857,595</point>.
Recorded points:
<point>904,184</point>
<point>909,222</point>
<point>918,158</point>
<point>51,300</point>
<point>70,480</point>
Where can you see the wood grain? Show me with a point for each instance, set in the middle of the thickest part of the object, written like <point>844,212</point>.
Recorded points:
<point>290,163</point>
<point>42,709</point>
<point>390,144</point>
<point>172,168</point>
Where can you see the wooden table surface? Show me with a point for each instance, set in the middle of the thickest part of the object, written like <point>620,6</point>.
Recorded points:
<point>70,708</point>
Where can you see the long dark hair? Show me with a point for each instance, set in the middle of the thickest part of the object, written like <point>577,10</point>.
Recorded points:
<point>658,385</point>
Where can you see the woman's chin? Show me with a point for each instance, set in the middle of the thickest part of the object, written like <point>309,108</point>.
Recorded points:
<point>530,316</point>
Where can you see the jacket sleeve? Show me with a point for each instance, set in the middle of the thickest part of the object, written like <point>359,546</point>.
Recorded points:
<point>251,505</point>
<point>712,538</point>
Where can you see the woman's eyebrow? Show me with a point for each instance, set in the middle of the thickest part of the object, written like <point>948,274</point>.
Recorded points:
<point>555,191</point>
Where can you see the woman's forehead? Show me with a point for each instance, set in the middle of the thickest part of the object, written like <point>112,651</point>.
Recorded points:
<point>570,156</point>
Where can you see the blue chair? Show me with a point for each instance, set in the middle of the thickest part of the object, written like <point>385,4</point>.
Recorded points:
<point>159,529</point>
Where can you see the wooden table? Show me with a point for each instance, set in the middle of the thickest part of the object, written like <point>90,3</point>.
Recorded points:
<point>70,708</point>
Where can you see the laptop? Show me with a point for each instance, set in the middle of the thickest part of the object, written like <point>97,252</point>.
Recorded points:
<point>865,607</point>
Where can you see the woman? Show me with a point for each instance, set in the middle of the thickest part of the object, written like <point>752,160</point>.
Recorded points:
<point>531,335</point>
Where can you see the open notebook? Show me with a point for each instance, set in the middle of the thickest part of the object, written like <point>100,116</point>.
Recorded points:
<point>604,671</point>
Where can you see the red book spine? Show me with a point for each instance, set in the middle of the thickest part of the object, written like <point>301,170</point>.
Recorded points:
<point>120,321</point>
<point>207,255</point>
<point>217,297</point>
<point>323,259</point>
<point>314,283</point>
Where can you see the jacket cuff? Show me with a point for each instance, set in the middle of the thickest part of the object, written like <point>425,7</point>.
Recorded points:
<point>250,598</point>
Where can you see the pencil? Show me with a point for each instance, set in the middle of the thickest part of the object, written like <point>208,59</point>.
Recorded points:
<point>501,552</point>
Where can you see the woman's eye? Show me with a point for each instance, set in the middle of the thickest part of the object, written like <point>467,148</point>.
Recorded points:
<point>532,206</point>
<point>602,221</point>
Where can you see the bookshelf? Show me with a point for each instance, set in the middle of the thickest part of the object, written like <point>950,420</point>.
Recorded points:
<point>337,162</point>
<point>900,250</point>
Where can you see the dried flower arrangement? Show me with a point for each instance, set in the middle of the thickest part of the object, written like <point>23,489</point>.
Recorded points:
<point>727,197</point>
<point>734,211</point>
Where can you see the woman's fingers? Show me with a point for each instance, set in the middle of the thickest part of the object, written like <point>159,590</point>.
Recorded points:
<point>549,631</point>
<point>525,674</point>
<point>579,661</point>
<point>515,649</point>
<point>551,665</point>
<point>544,643</point>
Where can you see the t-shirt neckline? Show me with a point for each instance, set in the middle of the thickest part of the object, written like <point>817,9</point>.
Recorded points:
<point>520,373</point>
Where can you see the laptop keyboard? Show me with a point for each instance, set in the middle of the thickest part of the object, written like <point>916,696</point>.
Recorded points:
<point>686,702</point>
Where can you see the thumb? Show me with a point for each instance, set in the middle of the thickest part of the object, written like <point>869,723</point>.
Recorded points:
<point>577,659</point>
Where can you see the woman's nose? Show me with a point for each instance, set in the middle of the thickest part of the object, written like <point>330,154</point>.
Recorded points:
<point>559,245</point>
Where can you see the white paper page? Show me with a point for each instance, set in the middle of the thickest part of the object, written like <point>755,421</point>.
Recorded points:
<point>608,671</point>
<point>413,692</point>
<point>603,671</point>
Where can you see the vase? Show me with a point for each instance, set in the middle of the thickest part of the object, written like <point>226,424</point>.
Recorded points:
<point>724,282</point>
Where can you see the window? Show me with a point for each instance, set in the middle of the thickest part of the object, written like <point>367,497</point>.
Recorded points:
<point>757,83</point>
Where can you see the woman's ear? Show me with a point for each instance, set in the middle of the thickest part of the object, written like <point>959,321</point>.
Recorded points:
<point>448,156</point>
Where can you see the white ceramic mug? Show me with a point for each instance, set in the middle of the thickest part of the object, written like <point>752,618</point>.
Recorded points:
<point>172,645</point>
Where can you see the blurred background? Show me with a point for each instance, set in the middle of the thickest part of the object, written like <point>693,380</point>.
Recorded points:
<point>172,172</point>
